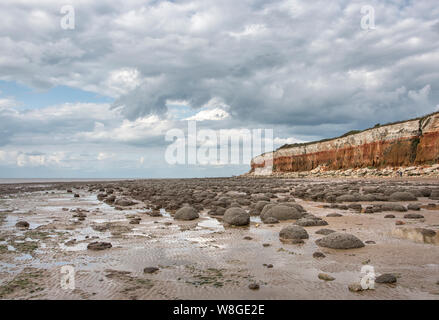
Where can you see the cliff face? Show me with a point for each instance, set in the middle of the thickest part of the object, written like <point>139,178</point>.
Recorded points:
<point>413,142</point>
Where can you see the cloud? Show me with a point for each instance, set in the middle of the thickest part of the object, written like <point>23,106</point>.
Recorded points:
<point>303,68</point>
<point>212,114</point>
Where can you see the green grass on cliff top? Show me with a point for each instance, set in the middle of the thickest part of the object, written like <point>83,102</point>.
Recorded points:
<point>352,132</point>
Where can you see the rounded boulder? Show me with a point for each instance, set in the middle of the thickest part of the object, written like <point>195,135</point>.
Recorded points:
<point>186,213</point>
<point>293,232</point>
<point>236,217</point>
<point>339,240</point>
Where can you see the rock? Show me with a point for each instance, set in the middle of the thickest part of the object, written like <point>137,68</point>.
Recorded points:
<point>76,195</point>
<point>186,214</point>
<point>248,238</point>
<point>413,216</point>
<point>355,206</point>
<point>393,207</point>
<point>259,206</point>
<point>110,200</point>
<point>306,222</point>
<point>326,277</point>
<point>434,195</point>
<point>266,245</point>
<point>97,246</point>
<point>339,240</point>
<point>355,287</point>
<point>124,202</point>
<point>101,196</point>
<point>370,242</point>
<point>253,286</point>
<point>318,255</point>
<point>218,211</point>
<point>414,207</point>
<point>155,213</point>
<point>296,206</point>
<point>150,270</point>
<point>100,228</point>
<point>236,217</point>
<point>402,196</point>
<point>270,220</point>
<point>426,232</point>
<point>369,209</point>
<point>135,221</point>
<point>267,207</point>
<point>386,278</point>
<point>334,215</point>
<point>293,232</point>
<point>281,212</point>
<point>22,224</point>
<point>325,232</point>
<point>70,242</point>
<point>389,216</point>
<point>426,192</point>
<point>399,222</point>
<point>348,198</point>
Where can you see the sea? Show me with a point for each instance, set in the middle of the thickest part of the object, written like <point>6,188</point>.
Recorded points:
<point>49,180</point>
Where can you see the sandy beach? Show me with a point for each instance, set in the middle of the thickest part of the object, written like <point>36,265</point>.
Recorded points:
<point>154,256</point>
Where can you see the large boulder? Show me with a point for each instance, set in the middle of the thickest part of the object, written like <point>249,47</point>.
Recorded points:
<point>186,213</point>
<point>282,212</point>
<point>267,207</point>
<point>296,206</point>
<point>338,240</point>
<point>236,217</point>
<point>293,232</point>
<point>402,196</point>
<point>219,211</point>
<point>259,206</point>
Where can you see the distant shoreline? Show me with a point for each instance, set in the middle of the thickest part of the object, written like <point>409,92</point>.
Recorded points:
<point>55,180</point>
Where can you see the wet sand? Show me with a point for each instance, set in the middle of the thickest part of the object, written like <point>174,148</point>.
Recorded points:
<point>202,258</point>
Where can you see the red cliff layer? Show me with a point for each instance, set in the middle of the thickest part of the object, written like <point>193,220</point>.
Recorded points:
<point>413,142</point>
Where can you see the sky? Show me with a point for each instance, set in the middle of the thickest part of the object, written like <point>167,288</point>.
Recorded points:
<point>96,96</point>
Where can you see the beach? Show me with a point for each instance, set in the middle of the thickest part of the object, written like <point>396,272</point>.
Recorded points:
<point>123,240</point>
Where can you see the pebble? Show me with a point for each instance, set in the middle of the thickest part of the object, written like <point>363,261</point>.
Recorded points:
<point>386,278</point>
<point>326,277</point>
<point>355,287</point>
<point>253,286</point>
<point>150,270</point>
<point>318,255</point>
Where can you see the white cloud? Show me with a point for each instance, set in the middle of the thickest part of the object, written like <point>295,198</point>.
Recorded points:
<point>211,114</point>
<point>122,81</point>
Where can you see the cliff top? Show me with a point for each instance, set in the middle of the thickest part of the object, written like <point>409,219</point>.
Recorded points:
<point>352,132</point>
